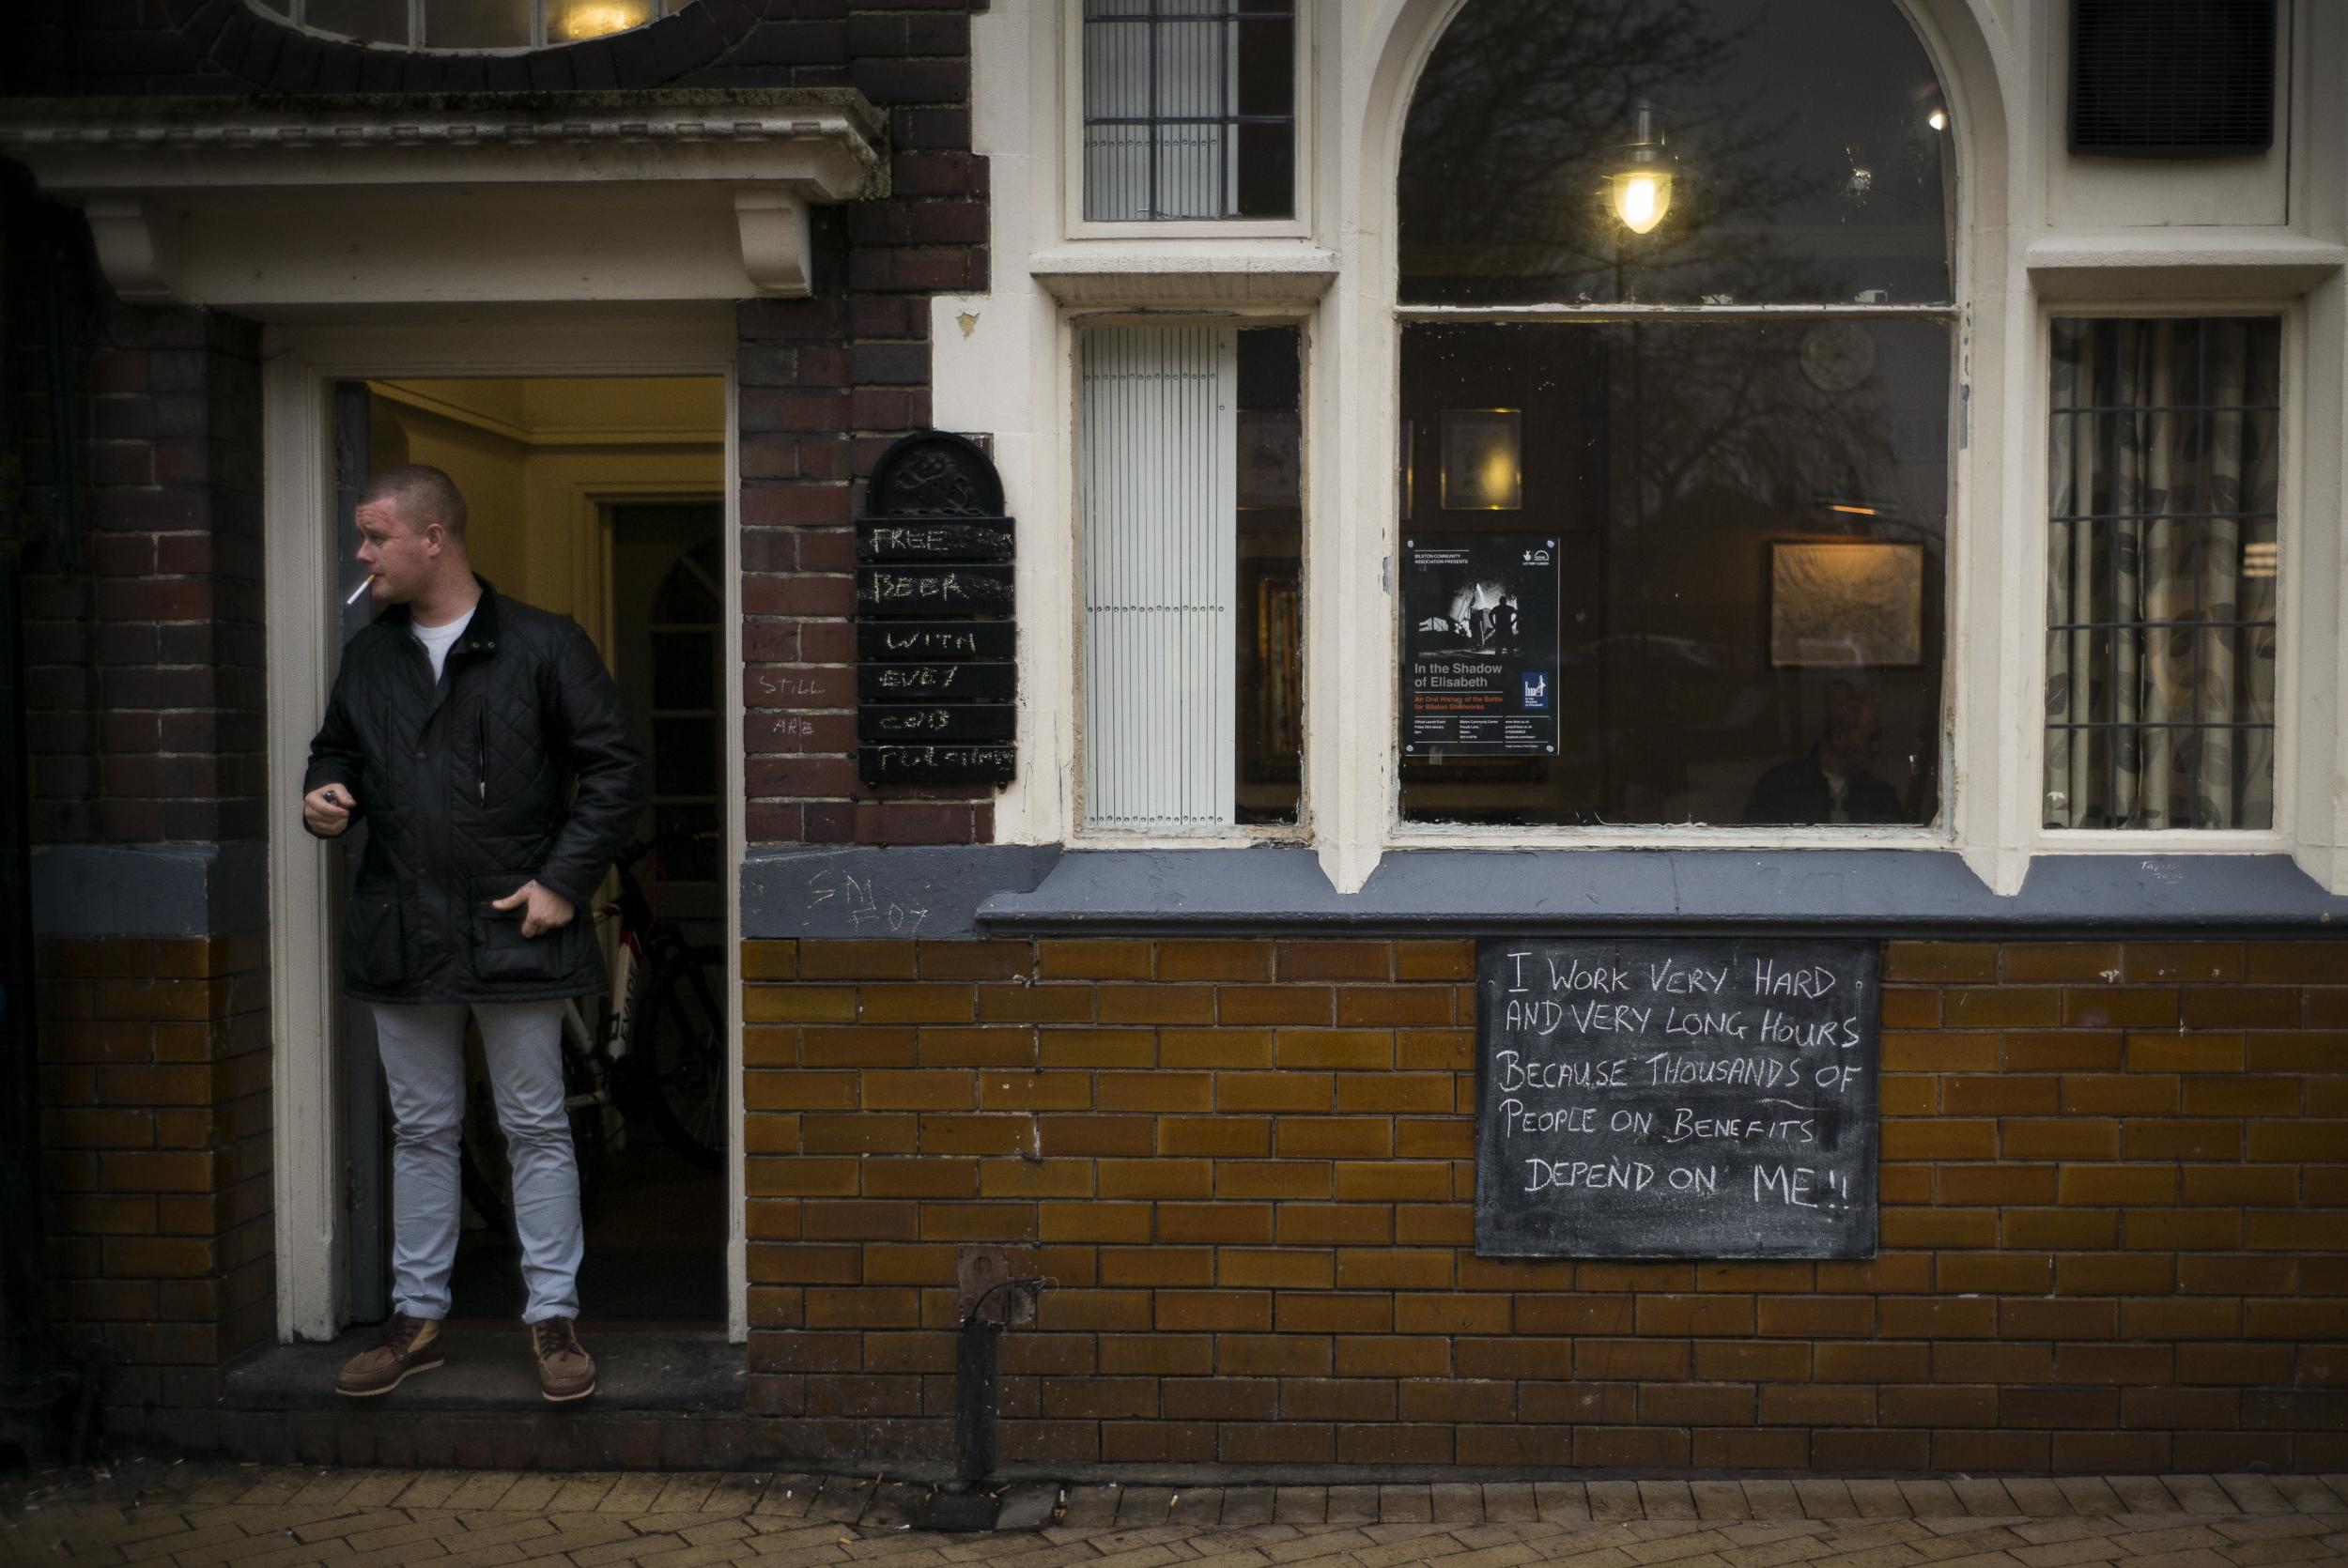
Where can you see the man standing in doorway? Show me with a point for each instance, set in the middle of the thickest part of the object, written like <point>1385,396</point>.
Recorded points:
<point>485,744</point>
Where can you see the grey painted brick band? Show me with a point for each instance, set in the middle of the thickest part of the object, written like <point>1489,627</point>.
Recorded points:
<point>186,890</point>
<point>150,890</point>
<point>876,894</point>
<point>1860,891</point>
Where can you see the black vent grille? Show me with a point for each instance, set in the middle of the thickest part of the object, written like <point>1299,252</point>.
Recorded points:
<point>2172,78</point>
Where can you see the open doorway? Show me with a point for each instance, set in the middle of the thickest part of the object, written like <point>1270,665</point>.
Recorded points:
<point>600,498</point>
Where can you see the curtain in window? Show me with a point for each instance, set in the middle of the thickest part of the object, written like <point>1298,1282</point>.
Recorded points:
<point>2160,650</point>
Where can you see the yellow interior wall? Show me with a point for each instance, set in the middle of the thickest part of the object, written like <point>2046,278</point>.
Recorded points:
<point>537,459</point>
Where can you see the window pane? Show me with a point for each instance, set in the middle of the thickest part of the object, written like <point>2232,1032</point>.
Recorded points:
<point>684,757</point>
<point>1188,110</point>
<point>1188,477</point>
<point>1744,526</point>
<point>476,23</point>
<point>692,856</point>
<point>375,21</point>
<point>2162,562</point>
<point>1804,160</point>
<point>683,670</point>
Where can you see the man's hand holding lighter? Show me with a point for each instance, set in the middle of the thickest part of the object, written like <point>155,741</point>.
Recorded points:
<point>326,810</point>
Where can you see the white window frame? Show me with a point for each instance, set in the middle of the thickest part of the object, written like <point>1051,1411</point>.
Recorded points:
<point>1297,225</point>
<point>1937,834</point>
<point>1006,363</point>
<point>1079,833</point>
<point>2035,574</point>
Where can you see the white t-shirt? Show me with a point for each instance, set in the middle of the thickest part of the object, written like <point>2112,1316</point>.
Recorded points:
<point>437,640</point>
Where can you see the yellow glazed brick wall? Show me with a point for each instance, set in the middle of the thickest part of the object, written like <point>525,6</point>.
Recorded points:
<point>2114,1219</point>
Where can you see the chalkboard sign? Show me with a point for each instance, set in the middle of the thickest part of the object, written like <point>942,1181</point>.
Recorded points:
<point>919,722</point>
<point>919,640</point>
<point>940,764</point>
<point>974,539</point>
<point>1704,1098</point>
<point>938,683</point>
<point>934,592</point>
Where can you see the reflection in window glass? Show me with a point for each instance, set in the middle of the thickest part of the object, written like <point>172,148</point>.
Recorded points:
<point>477,24</point>
<point>471,23</point>
<point>1807,145</point>
<point>1749,522</point>
<point>1189,109</point>
<point>2161,560</point>
<point>1191,501</point>
<point>384,20</point>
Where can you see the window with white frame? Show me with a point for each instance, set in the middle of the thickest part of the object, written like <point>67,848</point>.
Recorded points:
<point>2161,554</point>
<point>471,24</point>
<point>1190,513</point>
<point>1189,110</point>
<point>1677,331</point>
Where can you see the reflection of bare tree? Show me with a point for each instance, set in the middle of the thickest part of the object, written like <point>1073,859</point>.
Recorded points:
<point>1523,109</point>
<point>1731,410</point>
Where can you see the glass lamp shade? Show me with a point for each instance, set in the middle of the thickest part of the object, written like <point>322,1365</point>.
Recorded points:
<point>1642,195</point>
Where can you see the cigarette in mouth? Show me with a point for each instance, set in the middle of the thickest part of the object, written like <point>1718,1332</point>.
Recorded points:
<point>356,591</point>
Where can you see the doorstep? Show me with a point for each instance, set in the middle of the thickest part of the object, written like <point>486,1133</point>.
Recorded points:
<point>490,1371</point>
<point>668,1399</point>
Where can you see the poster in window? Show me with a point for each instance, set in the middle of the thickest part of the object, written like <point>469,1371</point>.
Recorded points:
<point>1479,642</point>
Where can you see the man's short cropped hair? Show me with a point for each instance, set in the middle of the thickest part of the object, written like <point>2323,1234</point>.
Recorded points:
<point>421,494</point>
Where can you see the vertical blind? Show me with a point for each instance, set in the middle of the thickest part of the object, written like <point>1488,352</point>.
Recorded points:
<point>1157,465</point>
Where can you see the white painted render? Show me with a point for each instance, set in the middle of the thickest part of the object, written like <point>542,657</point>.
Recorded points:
<point>2040,233</point>
<point>362,207</point>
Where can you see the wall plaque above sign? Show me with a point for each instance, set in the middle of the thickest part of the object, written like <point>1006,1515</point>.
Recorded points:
<point>936,686</point>
<point>1701,1098</point>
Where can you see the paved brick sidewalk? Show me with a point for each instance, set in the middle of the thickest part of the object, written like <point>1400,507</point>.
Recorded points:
<point>196,1515</point>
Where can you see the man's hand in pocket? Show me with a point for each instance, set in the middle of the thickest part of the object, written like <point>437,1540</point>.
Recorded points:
<point>543,909</point>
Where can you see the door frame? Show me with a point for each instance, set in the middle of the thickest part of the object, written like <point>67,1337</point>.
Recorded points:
<point>301,363</point>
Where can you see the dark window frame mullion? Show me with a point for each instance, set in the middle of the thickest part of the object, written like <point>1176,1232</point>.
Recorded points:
<point>1226,61</point>
<point>1156,126</point>
<point>2111,676</point>
<point>2199,534</point>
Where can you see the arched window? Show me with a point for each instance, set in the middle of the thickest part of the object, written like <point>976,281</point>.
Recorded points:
<point>469,24</point>
<point>1677,322</point>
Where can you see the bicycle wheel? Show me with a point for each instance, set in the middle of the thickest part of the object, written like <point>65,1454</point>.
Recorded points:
<point>679,1046</point>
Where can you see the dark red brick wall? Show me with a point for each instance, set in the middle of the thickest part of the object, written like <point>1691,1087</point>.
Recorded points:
<point>2114,1219</point>
<point>145,670</point>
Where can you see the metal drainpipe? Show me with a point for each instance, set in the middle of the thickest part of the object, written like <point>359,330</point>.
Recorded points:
<point>974,1382</point>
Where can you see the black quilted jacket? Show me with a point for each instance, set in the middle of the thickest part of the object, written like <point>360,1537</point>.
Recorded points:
<point>467,788</point>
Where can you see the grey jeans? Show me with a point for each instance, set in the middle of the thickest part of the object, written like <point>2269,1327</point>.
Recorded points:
<point>423,1062</point>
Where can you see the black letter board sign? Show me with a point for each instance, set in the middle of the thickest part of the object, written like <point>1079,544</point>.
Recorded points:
<point>937,691</point>
<point>1479,645</point>
<point>1702,1098</point>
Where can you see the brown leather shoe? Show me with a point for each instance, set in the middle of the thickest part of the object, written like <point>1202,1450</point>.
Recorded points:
<point>565,1371</point>
<point>410,1345</point>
